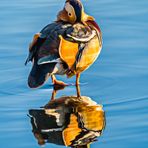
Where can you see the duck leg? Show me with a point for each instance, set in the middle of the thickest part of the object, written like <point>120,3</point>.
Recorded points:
<point>77,78</point>
<point>77,85</point>
<point>54,92</point>
<point>53,95</point>
<point>57,84</point>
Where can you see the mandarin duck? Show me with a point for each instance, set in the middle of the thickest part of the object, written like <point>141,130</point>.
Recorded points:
<point>68,46</point>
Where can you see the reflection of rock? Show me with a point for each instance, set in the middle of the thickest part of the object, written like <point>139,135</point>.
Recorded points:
<point>68,121</point>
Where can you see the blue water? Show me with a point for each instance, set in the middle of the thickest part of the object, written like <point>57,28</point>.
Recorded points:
<point>118,80</point>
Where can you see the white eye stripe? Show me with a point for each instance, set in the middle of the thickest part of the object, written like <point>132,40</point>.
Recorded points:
<point>69,8</point>
<point>71,12</point>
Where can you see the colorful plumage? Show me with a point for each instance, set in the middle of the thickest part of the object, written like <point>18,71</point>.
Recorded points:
<point>67,46</point>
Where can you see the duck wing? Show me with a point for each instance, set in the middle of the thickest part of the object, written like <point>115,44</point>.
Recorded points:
<point>80,48</point>
<point>35,48</point>
<point>44,52</point>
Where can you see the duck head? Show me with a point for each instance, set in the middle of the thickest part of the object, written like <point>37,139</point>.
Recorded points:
<point>73,12</point>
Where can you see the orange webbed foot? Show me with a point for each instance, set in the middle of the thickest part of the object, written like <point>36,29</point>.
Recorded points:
<point>58,84</point>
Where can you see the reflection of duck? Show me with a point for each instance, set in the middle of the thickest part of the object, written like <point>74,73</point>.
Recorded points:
<point>68,121</point>
<point>67,46</point>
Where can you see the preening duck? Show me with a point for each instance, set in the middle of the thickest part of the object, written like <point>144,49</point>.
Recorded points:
<point>67,46</point>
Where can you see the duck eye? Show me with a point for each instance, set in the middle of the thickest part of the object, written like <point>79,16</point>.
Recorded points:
<point>69,14</point>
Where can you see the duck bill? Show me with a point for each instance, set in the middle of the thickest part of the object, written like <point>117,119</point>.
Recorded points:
<point>86,17</point>
<point>39,74</point>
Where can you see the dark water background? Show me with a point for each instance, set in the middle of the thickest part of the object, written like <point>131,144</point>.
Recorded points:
<point>118,80</point>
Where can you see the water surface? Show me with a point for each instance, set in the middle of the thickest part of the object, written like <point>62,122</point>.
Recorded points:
<point>118,80</point>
